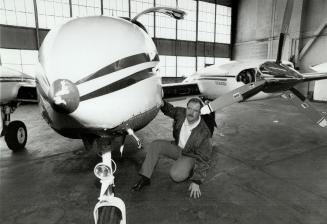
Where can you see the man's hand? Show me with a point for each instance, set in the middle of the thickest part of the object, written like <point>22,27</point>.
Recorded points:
<point>206,109</point>
<point>195,190</point>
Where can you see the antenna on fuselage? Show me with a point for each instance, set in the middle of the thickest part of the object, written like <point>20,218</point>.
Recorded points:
<point>172,12</point>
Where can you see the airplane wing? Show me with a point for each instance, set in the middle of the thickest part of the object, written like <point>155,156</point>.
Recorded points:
<point>320,72</point>
<point>237,95</point>
<point>322,67</point>
<point>180,90</point>
<point>16,86</point>
<point>306,77</point>
<point>314,76</point>
<point>244,92</point>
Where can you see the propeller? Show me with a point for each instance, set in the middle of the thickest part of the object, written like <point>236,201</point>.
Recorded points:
<point>284,30</point>
<point>237,95</point>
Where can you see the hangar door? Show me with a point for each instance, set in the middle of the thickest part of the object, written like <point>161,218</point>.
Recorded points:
<point>320,90</point>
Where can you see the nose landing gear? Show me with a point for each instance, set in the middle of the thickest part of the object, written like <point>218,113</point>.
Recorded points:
<point>109,209</point>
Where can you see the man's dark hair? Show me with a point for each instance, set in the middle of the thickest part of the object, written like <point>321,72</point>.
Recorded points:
<point>209,119</point>
<point>195,100</point>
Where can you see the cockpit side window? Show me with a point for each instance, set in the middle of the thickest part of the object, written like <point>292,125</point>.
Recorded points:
<point>246,76</point>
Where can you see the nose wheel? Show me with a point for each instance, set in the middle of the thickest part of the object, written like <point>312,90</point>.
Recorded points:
<point>109,215</point>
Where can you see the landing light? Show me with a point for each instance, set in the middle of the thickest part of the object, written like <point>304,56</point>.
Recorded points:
<point>102,171</point>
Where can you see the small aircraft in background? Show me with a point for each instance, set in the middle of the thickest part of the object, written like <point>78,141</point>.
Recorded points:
<point>16,87</point>
<point>237,81</point>
<point>216,80</point>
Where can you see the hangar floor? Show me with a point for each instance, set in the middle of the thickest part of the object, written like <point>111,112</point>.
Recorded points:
<point>268,166</point>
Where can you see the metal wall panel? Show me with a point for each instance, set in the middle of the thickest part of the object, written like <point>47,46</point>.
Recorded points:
<point>18,37</point>
<point>188,48</point>
<point>25,38</point>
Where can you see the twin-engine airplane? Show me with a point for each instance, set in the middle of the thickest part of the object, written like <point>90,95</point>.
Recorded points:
<point>217,80</point>
<point>15,88</point>
<point>237,81</point>
<point>98,80</point>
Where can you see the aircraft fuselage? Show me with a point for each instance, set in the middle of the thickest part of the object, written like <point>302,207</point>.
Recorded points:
<point>98,75</point>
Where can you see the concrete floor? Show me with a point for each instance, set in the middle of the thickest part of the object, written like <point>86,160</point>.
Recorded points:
<point>269,165</point>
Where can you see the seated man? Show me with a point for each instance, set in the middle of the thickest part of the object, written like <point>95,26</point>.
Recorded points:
<point>191,149</point>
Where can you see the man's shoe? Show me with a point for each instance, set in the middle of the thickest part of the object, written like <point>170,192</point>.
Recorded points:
<point>143,181</point>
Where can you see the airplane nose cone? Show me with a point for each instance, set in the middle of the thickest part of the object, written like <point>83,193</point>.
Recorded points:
<point>64,96</point>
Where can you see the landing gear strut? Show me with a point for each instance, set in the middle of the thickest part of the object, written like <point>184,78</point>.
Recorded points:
<point>109,209</point>
<point>15,132</point>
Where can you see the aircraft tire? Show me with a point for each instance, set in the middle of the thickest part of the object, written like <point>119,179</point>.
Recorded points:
<point>16,136</point>
<point>109,215</point>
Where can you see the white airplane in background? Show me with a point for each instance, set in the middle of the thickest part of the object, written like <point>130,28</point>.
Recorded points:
<point>217,80</point>
<point>15,87</point>
<point>237,81</point>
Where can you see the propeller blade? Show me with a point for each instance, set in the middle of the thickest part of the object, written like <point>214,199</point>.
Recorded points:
<point>237,95</point>
<point>297,99</point>
<point>284,30</point>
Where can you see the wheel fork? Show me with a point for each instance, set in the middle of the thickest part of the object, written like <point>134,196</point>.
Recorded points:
<point>5,118</point>
<point>107,197</point>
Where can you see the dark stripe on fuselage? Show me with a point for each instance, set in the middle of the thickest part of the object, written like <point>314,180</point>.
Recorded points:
<point>120,84</point>
<point>118,65</point>
<point>18,81</point>
<point>213,79</point>
<point>217,76</point>
<point>11,77</point>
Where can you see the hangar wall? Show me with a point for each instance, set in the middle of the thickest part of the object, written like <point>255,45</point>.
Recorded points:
<point>314,20</point>
<point>259,23</point>
<point>201,39</point>
<point>314,16</point>
<point>24,38</point>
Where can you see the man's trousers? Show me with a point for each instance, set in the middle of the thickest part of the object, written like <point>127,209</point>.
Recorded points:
<point>181,168</point>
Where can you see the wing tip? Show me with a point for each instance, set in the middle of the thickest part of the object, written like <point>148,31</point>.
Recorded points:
<point>322,122</point>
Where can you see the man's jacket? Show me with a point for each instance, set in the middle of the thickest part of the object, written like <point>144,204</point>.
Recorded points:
<point>198,145</point>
